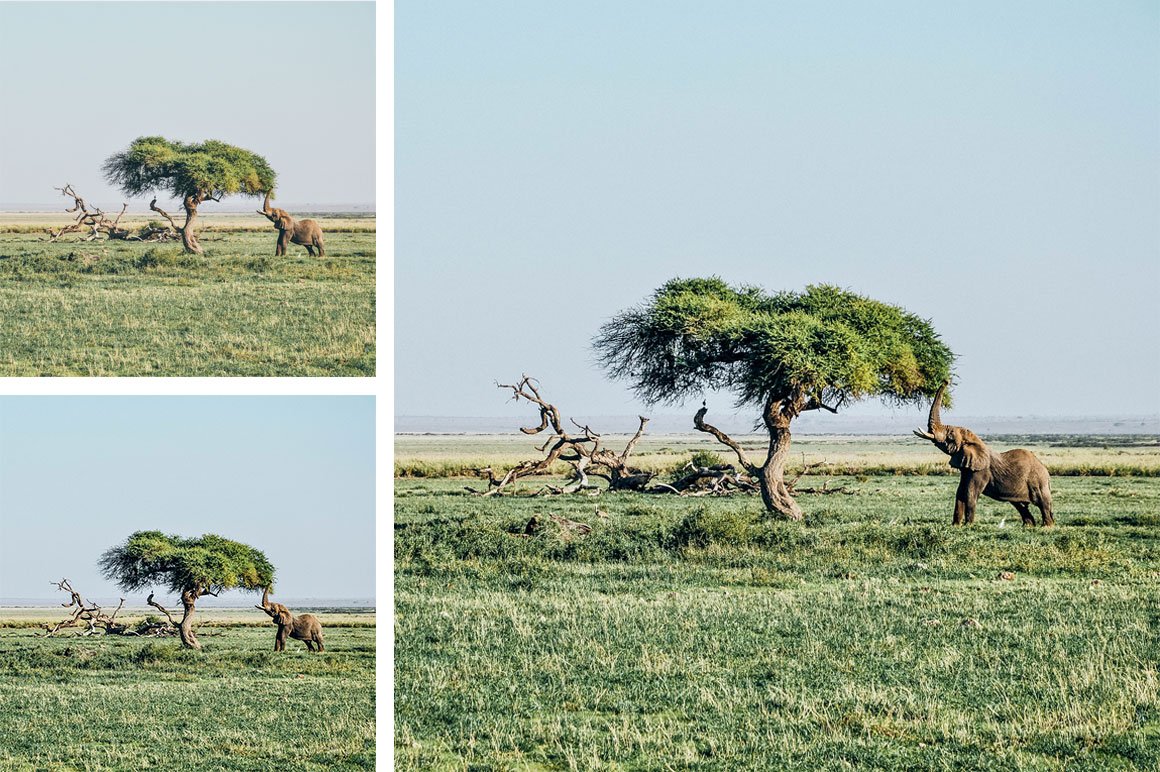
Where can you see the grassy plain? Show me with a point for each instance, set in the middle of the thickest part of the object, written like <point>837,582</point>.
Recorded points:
<point>443,455</point>
<point>108,308</point>
<point>697,633</point>
<point>115,702</point>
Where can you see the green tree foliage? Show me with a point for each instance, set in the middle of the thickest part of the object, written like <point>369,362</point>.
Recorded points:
<point>208,170</point>
<point>192,172</point>
<point>701,334</point>
<point>783,353</point>
<point>206,565</point>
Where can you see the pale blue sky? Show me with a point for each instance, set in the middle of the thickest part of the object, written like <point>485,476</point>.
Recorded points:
<point>294,82</point>
<point>292,476</point>
<point>992,166</point>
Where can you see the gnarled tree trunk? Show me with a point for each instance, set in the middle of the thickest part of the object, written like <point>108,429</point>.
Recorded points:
<point>188,637</point>
<point>774,491</point>
<point>188,237</point>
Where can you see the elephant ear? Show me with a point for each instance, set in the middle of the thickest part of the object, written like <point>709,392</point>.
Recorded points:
<point>284,617</point>
<point>285,221</point>
<point>971,453</point>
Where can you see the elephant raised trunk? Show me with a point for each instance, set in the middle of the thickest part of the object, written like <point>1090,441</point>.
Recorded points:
<point>265,204</point>
<point>935,430</point>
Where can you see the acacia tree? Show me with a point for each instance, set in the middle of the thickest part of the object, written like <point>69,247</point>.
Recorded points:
<point>190,567</point>
<point>192,172</point>
<point>783,353</point>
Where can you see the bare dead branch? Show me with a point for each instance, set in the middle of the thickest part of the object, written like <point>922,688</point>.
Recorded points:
<point>163,213</point>
<point>700,425</point>
<point>91,615</point>
<point>635,438</point>
<point>583,451</point>
<point>162,609</point>
<point>95,220</point>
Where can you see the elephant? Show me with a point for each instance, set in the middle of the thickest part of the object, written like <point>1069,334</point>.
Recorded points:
<point>304,232</point>
<point>304,627</point>
<point>1015,476</point>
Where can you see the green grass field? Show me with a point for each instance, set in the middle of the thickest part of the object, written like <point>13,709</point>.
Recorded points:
<point>115,702</point>
<point>697,633</point>
<point>111,308</point>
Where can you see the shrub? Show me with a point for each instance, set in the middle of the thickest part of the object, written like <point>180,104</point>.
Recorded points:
<point>703,527</point>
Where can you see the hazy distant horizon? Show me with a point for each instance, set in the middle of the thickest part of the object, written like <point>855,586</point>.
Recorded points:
<point>741,423</point>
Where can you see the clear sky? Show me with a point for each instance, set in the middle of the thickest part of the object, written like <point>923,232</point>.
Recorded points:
<point>294,82</point>
<point>291,476</point>
<point>992,166</point>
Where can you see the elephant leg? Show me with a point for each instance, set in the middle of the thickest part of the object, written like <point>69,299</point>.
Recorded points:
<point>963,505</point>
<point>1044,504</point>
<point>1024,512</point>
<point>321,251</point>
<point>971,484</point>
<point>310,250</point>
<point>309,645</point>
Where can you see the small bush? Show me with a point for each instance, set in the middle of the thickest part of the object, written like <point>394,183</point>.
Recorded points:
<point>703,527</point>
<point>703,458</point>
<point>153,653</point>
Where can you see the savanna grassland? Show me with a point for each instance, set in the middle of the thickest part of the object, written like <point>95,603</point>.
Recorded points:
<point>112,308</point>
<point>699,633</point>
<point>113,702</point>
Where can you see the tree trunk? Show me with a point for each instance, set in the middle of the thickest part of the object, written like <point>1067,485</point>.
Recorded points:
<point>188,638</point>
<point>774,492</point>
<point>188,237</point>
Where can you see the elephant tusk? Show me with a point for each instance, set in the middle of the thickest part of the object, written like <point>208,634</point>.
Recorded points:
<point>924,435</point>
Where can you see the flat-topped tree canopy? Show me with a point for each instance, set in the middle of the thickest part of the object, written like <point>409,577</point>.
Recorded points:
<point>784,353</point>
<point>824,343</point>
<point>192,172</point>
<point>205,565</point>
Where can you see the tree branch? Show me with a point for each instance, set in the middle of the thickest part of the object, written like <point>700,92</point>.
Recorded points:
<point>816,404</point>
<point>163,213</point>
<point>161,608</point>
<point>700,425</point>
<point>582,451</point>
<point>96,220</point>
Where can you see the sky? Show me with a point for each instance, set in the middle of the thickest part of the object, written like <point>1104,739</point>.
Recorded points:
<point>993,167</point>
<point>291,81</point>
<point>291,476</point>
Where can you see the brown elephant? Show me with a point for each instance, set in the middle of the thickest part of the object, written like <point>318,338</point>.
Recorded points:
<point>304,232</point>
<point>304,627</point>
<point>1016,476</point>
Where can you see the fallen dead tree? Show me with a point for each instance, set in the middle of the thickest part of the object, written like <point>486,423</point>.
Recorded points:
<point>717,480</point>
<point>97,621</point>
<point>584,451</point>
<point>588,457</point>
<point>99,224</point>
